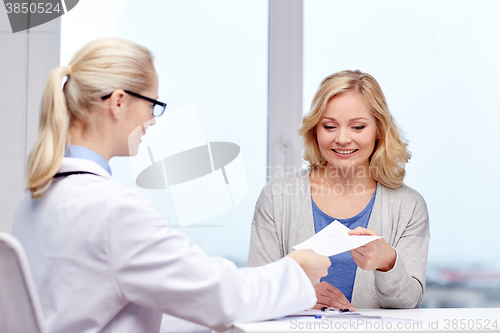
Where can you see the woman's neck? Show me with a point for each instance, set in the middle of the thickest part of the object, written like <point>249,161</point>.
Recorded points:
<point>344,176</point>
<point>85,137</point>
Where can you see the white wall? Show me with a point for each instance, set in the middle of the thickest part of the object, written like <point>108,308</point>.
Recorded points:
<point>25,60</point>
<point>285,85</point>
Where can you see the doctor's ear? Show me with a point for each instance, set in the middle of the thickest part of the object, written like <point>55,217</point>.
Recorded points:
<point>116,103</point>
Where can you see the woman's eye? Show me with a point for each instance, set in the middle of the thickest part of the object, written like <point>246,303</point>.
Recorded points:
<point>328,127</point>
<point>359,128</point>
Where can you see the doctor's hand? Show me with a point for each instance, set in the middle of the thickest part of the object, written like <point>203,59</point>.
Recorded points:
<point>313,264</point>
<point>328,295</point>
<point>374,255</point>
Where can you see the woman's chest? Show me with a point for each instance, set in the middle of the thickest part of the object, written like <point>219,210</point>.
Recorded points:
<point>342,206</point>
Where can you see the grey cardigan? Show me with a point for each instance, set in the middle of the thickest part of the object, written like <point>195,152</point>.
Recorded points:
<point>283,218</point>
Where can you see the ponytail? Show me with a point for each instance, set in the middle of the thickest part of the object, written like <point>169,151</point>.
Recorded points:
<point>46,157</point>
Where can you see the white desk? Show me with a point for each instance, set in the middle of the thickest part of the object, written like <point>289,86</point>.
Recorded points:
<point>414,320</point>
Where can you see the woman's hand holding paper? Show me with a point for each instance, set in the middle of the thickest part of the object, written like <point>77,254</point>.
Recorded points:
<point>374,255</point>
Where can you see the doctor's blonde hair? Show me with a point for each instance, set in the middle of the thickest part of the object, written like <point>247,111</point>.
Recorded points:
<point>390,154</point>
<point>97,69</point>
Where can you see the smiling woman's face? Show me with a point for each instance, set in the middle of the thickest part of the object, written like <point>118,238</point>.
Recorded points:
<point>347,132</point>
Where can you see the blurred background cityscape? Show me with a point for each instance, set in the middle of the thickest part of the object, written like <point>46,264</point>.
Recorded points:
<point>462,287</point>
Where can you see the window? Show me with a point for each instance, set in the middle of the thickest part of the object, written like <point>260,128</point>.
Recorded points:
<point>210,54</point>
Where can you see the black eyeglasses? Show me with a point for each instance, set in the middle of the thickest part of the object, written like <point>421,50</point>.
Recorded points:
<point>158,107</point>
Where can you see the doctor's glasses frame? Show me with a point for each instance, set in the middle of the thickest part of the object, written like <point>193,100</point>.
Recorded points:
<point>158,107</point>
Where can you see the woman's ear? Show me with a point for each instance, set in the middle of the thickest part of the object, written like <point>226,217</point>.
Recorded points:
<point>117,103</point>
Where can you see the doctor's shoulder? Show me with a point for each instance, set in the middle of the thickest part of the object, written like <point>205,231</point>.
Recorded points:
<point>123,195</point>
<point>108,198</point>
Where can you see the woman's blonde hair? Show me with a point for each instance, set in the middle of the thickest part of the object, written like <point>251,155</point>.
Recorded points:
<point>97,69</point>
<point>390,154</point>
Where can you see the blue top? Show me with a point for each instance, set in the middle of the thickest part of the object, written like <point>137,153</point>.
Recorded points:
<point>85,153</point>
<point>342,272</point>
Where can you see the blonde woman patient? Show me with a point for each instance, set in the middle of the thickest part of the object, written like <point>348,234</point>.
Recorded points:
<point>102,256</point>
<point>356,156</point>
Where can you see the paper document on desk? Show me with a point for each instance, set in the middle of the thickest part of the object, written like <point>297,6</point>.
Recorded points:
<point>334,239</point>
<point>330,314</point>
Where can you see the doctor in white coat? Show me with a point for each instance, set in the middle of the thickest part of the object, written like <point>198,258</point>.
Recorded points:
<point>103,258</point>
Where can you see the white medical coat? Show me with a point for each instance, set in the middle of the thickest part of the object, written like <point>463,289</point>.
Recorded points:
<point>104,260</point>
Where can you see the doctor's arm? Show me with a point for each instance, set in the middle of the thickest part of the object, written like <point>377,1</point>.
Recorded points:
<point>159,268</point>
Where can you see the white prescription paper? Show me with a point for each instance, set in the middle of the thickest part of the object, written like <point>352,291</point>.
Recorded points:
<point>334,239</point>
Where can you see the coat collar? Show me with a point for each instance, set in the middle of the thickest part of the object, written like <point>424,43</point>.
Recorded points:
<point>70,164</point>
